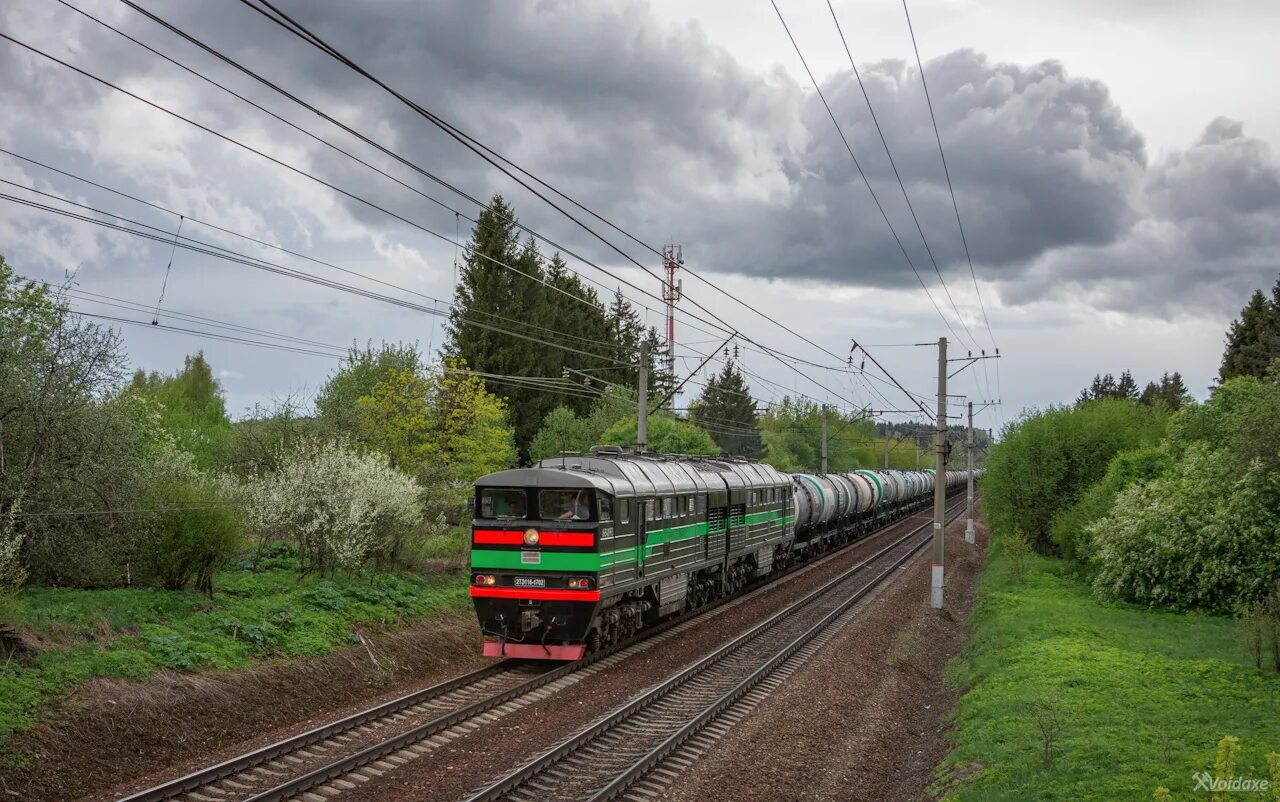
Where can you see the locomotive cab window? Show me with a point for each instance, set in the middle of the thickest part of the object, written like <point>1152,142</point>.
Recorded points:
<point>502,503</point>
<point>606,508</point>
<point>564,505</point>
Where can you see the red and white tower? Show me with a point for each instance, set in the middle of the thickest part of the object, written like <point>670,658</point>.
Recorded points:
<point>672,258</point>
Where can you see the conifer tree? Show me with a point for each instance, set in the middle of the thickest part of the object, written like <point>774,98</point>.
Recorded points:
<point>727,411</point>
<point>1253,340</point>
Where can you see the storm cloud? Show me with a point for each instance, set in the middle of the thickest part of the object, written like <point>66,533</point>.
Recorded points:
<point>663,131</point>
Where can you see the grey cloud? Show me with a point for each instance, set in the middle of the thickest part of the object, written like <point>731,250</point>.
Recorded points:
<point>665,132</point>
<point>1210,237</point>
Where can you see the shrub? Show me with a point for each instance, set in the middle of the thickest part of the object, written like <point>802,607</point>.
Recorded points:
<point>1047,458</point>
<point>1194,538</point>
<point>343,507</point>
<point>1070,526</point>
<point>194,530</point>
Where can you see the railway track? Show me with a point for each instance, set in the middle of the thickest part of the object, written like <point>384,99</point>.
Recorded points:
<point>340,755</point>
<point>615,756</point>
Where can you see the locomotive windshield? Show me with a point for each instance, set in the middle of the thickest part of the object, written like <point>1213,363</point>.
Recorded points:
<point>502,503</point>
<point>564,505</point>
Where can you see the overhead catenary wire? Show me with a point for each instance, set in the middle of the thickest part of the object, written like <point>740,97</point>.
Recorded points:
<point>772,352</point>
<point>894,165</point>
<point>271,12</point>
<point>233,141</point>
<point>942,156</point>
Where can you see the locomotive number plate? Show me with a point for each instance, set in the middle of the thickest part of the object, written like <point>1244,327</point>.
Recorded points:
<point>531,582</point>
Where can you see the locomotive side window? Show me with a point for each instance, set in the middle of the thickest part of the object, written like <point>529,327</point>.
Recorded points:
<point>668,508</point>
<point>624,511</point>
<point>606,508</point>
<point>502,503</point>
<point>702,504</point>
<point>564,505</point>
<point>690,500</point>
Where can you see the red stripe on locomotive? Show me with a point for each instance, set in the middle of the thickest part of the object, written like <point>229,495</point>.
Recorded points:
<point>515,537</point>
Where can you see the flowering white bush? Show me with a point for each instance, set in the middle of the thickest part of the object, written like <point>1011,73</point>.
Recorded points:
<point>1195,538</point>
<point>342,506</point>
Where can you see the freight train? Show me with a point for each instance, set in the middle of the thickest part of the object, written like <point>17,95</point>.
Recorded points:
<point>580,552</point>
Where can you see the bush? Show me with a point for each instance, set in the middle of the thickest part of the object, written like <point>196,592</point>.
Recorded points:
<point>1194,538</point>
<point>343,507</point>
<point>1046,459</point>
<point>194,531</point>
<point>1070,527</point>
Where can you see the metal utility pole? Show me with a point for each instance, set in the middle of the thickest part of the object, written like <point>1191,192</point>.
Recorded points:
<point>824,439</point>
<point>939,481</point>
<point>672,291</point>
<point>969,448</point>
<point>642,421</point>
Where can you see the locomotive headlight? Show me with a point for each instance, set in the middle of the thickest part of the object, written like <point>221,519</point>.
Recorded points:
<point>487,580</point>
<point>580,583</point>
<point>531,537</point>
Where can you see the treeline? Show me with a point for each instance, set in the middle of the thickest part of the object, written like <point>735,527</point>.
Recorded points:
<point>1159,499</point>
<point>110,480</point>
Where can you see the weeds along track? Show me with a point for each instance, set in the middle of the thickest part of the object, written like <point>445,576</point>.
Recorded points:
<point>615,755</point>
<point>340,755</point>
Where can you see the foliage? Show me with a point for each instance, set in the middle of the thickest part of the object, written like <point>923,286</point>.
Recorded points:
<point>560,325</point>
<point>1124,388</point>
<point>561,431</point>
<point>193,527</point>
<point>192,410</point>
<point>1017,550</point>
<point>265,433</point>
<point>564,431</point>
<point>1070,526</point>
<point>1193,538</point>
<point>1242,417</point>
<point>342,506</point>
<point>1148,694</point>
<point>1046,459</point>
<point>1169,391</point>
<point>1253,341</point>
<point>73,451</point>
<point>1260,629</point>
<point>336,403</point>
<point>726,410</point>
<point>253,614</point>
<point>792,434</point>
<point>666,436</point>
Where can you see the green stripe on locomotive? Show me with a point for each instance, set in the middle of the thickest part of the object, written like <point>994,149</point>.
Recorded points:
<point>514,559</point>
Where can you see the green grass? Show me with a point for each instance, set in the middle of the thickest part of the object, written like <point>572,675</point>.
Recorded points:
<point>1142,696</point>
<point>260,610</point>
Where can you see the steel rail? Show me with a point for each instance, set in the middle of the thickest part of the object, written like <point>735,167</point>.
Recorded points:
<point>553,756</point>
<point>258,757</point>
<point>655,756</point>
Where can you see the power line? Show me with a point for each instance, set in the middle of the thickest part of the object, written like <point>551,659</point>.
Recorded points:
<point>288,272</point>
<point>493,158</point>
<point>893,164</point>
<point>955,205</point>
<point>821,96</point>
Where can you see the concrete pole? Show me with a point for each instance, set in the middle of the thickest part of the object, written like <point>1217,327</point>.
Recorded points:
<point>939,481</point>
<point>969,447</point>
<point>824,439</point>
<point>642,422</point>
<point>886,446</point>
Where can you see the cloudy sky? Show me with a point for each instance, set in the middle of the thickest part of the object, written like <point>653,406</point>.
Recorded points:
<point>1113,164</point>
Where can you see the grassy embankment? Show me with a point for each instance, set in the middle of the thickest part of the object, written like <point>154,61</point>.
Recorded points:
<point>261,609</point>
<point>1134,698</point>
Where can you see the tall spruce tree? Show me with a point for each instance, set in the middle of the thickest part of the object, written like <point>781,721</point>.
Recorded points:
<point>567,330</point>
<point>727,411</point>
<point>1253,340</point>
